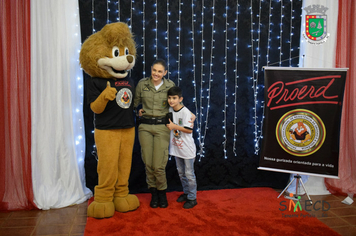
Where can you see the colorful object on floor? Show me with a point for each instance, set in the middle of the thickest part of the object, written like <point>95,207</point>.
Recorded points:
<point>247,211</point>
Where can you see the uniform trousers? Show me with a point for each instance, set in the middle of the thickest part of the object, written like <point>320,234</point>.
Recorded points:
<point>154,141</point>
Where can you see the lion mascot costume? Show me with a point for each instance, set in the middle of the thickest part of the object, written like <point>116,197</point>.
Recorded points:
<point>107,56</point>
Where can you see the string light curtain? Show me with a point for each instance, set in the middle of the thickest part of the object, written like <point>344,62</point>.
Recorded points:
<point>215,51</point>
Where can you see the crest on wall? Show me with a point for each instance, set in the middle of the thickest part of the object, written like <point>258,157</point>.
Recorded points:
<point>316,24</point>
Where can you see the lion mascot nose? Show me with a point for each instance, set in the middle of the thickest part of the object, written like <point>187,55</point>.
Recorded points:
<point>129,58</point>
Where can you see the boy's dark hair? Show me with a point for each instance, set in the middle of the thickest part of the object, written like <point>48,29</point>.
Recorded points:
<point>175,91</point>
<point>161,62</point>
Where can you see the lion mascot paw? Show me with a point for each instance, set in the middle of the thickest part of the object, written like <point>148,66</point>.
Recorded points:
<point>107,56</point>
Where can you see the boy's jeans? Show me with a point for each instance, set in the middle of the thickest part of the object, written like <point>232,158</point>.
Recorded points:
<point>186,173</point>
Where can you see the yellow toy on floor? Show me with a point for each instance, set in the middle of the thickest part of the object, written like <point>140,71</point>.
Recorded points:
<point>107,56</point>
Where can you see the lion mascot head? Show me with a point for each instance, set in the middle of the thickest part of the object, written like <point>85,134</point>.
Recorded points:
<point>111,52</point>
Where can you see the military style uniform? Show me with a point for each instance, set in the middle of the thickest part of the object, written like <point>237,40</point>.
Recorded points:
<point>152,132</point>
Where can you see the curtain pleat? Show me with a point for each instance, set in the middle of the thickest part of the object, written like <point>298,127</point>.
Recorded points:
<point>15,121</point>
<point>345,57</point>
<point>58,140</point>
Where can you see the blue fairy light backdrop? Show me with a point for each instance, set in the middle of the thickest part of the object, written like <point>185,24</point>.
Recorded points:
<point>215,51</point>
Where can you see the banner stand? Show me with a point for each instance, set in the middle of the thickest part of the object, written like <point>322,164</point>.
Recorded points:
<point>301,128</point>
<point>299,180</point>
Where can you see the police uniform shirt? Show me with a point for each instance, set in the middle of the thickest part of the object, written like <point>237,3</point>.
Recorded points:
<point>154,102</point>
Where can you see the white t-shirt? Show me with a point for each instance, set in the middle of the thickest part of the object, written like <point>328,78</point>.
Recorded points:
<point>159,85</point>
<point>182,144</point>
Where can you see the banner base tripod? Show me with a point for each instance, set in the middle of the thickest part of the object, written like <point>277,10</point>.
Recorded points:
<point>295,197</point>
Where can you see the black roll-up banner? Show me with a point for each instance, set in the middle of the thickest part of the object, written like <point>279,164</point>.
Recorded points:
<point>301,127</point>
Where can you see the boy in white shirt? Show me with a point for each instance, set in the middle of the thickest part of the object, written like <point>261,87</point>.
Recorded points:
<point>182,146</point>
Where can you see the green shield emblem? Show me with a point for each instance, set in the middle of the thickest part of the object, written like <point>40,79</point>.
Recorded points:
<point>316,27</point>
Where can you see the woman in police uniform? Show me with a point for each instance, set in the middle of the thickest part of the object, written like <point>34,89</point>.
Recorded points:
<point>153,134</point>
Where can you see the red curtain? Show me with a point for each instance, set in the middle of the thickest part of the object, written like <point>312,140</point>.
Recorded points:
<point>345,58</point>
<point>15,99</point>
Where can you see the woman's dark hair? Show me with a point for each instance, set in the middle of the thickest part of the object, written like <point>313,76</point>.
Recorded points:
<point>175,91</point>
<point>161,62</point>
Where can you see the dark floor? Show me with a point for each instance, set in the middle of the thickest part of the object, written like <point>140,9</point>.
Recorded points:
<point>71,220</point>
<point>340,217</point>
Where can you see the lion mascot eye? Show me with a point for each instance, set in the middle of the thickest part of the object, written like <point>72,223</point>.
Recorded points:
<point>115,51</point>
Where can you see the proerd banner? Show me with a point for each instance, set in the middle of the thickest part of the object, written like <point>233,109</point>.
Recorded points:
<point>302,120</point>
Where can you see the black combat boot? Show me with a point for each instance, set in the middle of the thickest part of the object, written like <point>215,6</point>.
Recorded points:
<point>154,199</point>
<point>162,199</point>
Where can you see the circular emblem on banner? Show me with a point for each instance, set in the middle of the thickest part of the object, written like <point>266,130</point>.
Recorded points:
<point>124,98</point>
<point>300,132</point>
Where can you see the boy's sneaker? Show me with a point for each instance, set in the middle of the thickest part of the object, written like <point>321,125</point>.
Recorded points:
<point>190,204</point>
<point>182,198</point>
